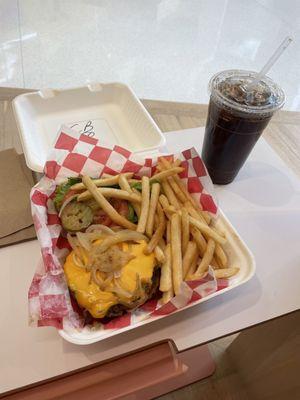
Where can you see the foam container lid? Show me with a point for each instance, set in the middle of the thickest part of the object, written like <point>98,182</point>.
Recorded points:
<point>109,111</point>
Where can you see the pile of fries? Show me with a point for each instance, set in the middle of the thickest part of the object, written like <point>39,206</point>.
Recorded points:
<point>181,235</point>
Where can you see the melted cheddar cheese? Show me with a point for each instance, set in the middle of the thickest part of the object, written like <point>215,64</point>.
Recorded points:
<point>91,297</point>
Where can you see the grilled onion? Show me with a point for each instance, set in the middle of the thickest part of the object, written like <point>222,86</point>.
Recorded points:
<point>66,202</point>
<point>83,240</point>
<point>77,261</point>
<point>96,279</point>
<point>72,241</point>
<point>122,236</point>
<point>99,228</point>
<point>113,259</point>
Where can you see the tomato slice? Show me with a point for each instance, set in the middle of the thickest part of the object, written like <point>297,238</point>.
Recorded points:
<point>70,193</point>
<point>100,217</point>
<point>121,206</point>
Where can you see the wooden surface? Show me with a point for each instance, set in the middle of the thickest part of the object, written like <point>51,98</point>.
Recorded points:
<point>283,134</point>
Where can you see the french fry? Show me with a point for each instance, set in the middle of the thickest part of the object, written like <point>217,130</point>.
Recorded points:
<point>185,229</point>
<point>152,208</point>
<point>167,296</point>
<point>202,216</point>
<point>158,233</point>
<point>207,230</point>
<point>206,216</point>
<point>195,277</point>
<point>220,256</point>
<point>226,272</point>
<point>121,236</point>
<point>167,165</point>
<point>162,244</point>
<point>131,181</point>
<point>168,232</point>
<point>172,210</point>
<point>187,194</point>
<point>192,201</point>
<point>178,193</point>
<point>164,202</point>
<point>176,252</point>
<point>191,271</point>
<point>156,222</point>
<point>176,163</point>
<point>219,231</point>
<point>166,271</point>
<point>197,235</point>
<point>207,257</point>
<point>202,226</point>
<point>193,213</point>
<point>145,205</point>
<point>182,188</point>
<point>107,176</point>
<point>164,174</point>
<point>170,194</point>
<point>199,239</point>
<point>176,190</point>
<point>123,183</point>
<point>159,254</point>
<point>110,193</point>
<point>214,262</point>
<point>189,256</point>
<point>109,181</point>
<point>105,205</point>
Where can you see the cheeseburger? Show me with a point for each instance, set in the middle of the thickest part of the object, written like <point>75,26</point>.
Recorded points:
<point>110,268</point>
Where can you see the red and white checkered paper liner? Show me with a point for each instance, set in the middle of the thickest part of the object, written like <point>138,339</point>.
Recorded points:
<point>74,154</point>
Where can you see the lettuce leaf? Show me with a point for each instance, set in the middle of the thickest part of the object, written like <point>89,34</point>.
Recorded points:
<point>132,217</point>
<point>138,185</point>
<point>62,190</point>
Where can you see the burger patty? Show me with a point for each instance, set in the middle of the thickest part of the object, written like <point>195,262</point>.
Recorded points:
<point>118,309</point>
<point>150,289</point>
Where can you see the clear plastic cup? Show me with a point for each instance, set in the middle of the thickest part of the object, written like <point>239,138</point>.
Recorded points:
<point>235,121</point>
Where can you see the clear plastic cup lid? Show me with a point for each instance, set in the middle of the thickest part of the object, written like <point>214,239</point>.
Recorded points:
<point>229,88</point>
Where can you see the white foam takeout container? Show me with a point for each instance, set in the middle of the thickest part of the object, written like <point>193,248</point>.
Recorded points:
<point>113,113</point>
<point>110,111</point>
<point>238,255</point>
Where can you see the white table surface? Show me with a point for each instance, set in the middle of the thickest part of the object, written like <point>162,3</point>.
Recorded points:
<point>263,204</point>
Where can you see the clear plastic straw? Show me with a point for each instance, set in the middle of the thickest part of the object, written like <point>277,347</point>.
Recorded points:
<point>269,64</point>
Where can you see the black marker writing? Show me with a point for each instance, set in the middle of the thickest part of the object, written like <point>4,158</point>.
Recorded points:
<point>88,130</point>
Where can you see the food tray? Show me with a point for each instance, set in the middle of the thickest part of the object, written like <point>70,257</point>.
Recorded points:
<point>111,110</point>
<point>238,255</point>
<point>73,154</point>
